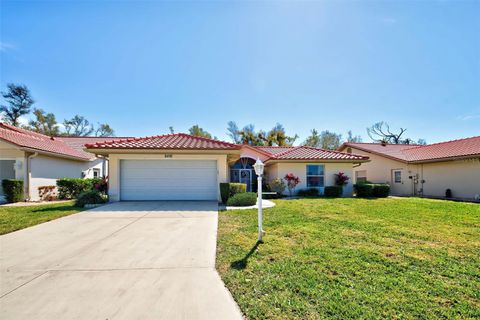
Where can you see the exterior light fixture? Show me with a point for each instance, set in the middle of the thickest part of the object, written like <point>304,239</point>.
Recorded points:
<point>259,166</point>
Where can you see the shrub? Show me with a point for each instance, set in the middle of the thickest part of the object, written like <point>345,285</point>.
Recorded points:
<point>363,190</point>
<point>381,190</point>
<point>69,188</point>
<point>100,184</point>
<point>224,191</point>
<point>237,188</point>
<point>228,190</point>
<point>242,199</point>
<point>13,190</point>
<point>310,192</point>
<point>341,179</point>
<point>90,197</point>
<point>47,193</point>
<point>367,190</point>
<point>277,185</point>
<point>292,182</point>
<point>333,191</point>
<point>448,193</point>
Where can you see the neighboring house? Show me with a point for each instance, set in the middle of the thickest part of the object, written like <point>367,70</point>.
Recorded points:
<point>40,160</point>
<point>422,170</point>
<point>185,167</point>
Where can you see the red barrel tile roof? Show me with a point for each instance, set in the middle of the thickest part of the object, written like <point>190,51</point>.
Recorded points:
<point>168,141</point>
<point>309,153</point>
<point>189,142</point>
<point>38,142</point>
<point>462,148</point>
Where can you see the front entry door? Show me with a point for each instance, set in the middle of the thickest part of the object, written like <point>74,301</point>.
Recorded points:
<point>246,177</point>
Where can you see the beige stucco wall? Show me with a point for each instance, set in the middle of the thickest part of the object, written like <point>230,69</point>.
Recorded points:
<point>461,176</point>
<point>279,170</point>
<point>114,167</point>
<point>379,170</point>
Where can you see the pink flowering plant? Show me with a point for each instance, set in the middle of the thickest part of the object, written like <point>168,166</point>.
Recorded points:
<point>292,182</point>
<point>341,179</point>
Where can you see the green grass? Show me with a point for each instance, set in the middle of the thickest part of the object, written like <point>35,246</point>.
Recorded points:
<point>393,258</point>
<point>16,218</point>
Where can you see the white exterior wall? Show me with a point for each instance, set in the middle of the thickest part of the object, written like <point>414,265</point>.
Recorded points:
<point>279,170</point>
<point>11,152</point>
<point>461,176</point>
<point>114,168</point>
<point>45,170</point>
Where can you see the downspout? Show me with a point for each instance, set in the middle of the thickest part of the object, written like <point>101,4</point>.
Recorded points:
<point>29,174</point>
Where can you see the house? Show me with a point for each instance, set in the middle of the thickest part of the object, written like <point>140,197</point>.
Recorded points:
<point>40,160</point>
<point>422,170</point>
<point>184,167</point>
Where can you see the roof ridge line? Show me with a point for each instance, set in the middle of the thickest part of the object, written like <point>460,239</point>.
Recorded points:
<point>443,142</point>
<point>206,139</point>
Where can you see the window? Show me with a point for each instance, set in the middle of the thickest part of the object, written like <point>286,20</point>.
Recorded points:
<point>96,173</point>
<point>361,176</point>
<point>397,176</point>
<point>315,177</point>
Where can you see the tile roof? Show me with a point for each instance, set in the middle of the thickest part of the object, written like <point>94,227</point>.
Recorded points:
<point>389,150</point>
<point>461,148</point>
<point>272,149</point>
<point>308,153</point>
<point>39,142</point>
<point>168,141</point>
<point>444,150</point>
<point>78,143</point>
<point>188,142</point>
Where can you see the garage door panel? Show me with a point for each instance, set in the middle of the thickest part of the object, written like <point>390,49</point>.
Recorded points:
<point>168,179</point>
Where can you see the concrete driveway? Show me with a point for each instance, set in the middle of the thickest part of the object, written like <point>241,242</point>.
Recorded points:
<point>127,260</point>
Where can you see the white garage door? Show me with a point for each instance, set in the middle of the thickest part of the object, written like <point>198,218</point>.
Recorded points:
<point>168,180</point>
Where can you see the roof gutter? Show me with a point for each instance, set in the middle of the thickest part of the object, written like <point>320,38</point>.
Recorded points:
<point>53,154</point>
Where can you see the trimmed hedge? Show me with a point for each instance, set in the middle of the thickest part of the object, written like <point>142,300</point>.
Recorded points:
<point>242,199</point>
<point>310,192</point>
<point>368,190</point>
<point>13,190</point>
<point>70,188</point>
<point>363,190</point>
<point>228,190</point>
<point>90,197</point>
<point>333,191</point>
<point>381,190</point>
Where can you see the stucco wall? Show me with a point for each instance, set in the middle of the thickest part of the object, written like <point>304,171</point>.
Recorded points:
<point>279,170</point>
<point>379,170</point>
<point>45,171</point>
<point>11,152</point>
<point>461,176</point>
<point>114,168</point>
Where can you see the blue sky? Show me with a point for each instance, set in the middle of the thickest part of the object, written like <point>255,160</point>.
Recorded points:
<point>336,65</point>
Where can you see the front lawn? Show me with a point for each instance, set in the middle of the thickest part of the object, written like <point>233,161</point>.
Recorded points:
<point>16,218</point>
<point>393,258</point>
